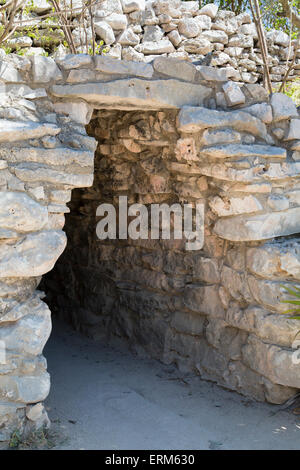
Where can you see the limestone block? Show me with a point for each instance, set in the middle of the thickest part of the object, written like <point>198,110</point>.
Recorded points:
<point>80,112</point>
<point>189,27</point>
<point>175,68</point>
<point>12,131</point>
<point>271,361</point>
<point>294,130</point>
<point>213,137</point>
<point>26,389</point>
<point>212,73</point>
<point>278,37</point>
<point>133,5</point>
<point>234,205</point>
<point>273,328</point>
<point>164,46</point>
<point>152,33</point>
<point>8,73</point>
<point>30,334</point>
<point>105,32</point>
<point>33,172</point>
<point>275,260</point>
<point>44,69</point>
<point>193,119</point>
<point>128,38</point>
<point>203,299</point>
<point>188,323</point>
<point>211,9</point>
<point>233,94</point>
<point>147,94</point>
<point>215,36</point>
<point>240,150</point>
<point>117,21</point>
<point>175,38</point>
<point>203,21</point>
<point>200,45</point>
<point>75,61</point>
<point>283,107</point>
<point>33,255</point>
<point>127,68</point>
<point>57,156</point>
<point>262,111</point>
<point>21,213</point>
<point>259,227</point>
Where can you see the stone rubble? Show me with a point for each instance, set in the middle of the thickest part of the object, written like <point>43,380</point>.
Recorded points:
<point>140,30</point>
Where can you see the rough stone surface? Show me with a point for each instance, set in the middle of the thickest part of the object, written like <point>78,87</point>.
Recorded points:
<point>161,131</point>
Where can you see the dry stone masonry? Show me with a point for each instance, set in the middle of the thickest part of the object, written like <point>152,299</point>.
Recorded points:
<point>163,131</point>
<point>140,30</point>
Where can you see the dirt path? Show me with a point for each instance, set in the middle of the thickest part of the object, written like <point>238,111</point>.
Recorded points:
<point>104,398</point>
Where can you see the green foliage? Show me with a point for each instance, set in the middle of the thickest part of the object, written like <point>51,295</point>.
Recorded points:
<point>295,300</point>
<point>293,91</point>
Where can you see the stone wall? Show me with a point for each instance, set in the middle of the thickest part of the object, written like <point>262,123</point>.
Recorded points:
<point>166,131</point>
<point>140,30</point>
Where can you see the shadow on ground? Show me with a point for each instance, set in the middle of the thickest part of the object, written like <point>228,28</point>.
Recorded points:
<point>106,398</point>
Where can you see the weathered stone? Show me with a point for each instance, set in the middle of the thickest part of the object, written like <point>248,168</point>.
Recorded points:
<point>213,137</point>
<point>117,21</point>
<point>79,112</point>
<point>233,94</point>
<point>44,69</point>
<point>34,172</point>
<point>262,111</point>
<point>204,300</point>
<point>157,47</point>
<point>26,389</point>
<point>21,213</point>
<point>211,9</point>
<point>213,74</point>
<point>215,36</point>
<point>75,61</point>
<point>197,46</point>
<point>271,361</point>
<point>239,150</point>
<point>234,205</point>
<point>52,157</point>
<point>133,5</point>
<point>126,68</point>
<point>152,94</point>
<point>175,38</point>
<point>283,107</point>
<point>196,119</point>
<point>128,38</point>
<point>294,130</point>
<point>9,74</point>
<point>175,68</point>
<point>105,32</point>
<point>259,227</point>
<point>12,131</point>
<point>189,27</point>
<point>34,255</point>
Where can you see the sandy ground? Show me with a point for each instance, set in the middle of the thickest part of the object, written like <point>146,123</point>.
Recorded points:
<point>106,398</point>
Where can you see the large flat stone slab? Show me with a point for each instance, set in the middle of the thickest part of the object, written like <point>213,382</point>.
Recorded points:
<point>259,227</point>
<point>193,119</point>
<point>240,150</point>
<point>136,93</point>
<point>12,131</point>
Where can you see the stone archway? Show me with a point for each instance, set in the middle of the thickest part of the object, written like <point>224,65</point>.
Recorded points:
<point>241,162</point>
